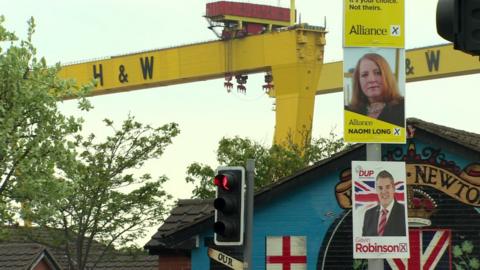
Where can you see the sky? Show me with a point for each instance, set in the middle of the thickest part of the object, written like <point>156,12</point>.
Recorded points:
<point>78,30</point>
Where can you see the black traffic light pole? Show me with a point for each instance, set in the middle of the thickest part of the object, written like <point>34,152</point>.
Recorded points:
<point>249,198</point>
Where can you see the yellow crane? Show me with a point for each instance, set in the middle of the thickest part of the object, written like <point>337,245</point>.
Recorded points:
<point>424,63</point>
<point>291,56</point>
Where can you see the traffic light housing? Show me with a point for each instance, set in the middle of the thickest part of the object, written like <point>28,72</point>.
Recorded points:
<point>458,21</point>
<point>229,206</point>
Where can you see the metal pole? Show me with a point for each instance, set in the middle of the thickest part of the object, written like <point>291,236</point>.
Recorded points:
<point>247,247</point>
<point>374,153</point>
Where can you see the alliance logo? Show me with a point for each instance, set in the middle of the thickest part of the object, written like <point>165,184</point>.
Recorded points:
<point>363,30</point>
<point>367,31</point>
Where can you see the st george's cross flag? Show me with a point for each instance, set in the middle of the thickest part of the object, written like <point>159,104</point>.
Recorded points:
<point>286,253</point>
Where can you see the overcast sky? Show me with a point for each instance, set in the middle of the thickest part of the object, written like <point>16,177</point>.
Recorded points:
<point>74,30</point>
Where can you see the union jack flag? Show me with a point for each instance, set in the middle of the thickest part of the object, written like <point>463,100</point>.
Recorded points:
<point>366,195</point>
<point>429,249</point>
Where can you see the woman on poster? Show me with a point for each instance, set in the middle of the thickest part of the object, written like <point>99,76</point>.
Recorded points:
<point>375,91</point>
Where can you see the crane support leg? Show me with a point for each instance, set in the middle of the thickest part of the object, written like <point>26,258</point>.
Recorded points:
<point>295,86</point>
<point>295,90</point>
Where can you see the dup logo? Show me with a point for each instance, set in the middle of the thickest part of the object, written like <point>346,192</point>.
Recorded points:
<point>362,173</point>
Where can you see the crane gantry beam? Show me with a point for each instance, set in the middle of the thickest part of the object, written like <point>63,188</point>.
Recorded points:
<point>424,63</point>
<point>294,56</point>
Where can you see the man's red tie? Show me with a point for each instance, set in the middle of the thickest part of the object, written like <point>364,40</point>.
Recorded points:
<point>383,222</point>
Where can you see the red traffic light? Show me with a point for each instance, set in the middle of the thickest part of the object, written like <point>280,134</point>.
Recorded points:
<point>229,206</point>
<point>224,181</point>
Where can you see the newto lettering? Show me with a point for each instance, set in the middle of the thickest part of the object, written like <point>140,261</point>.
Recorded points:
<point>450,184</point>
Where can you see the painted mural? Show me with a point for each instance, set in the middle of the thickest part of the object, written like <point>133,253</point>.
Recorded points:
<point>444,214</point>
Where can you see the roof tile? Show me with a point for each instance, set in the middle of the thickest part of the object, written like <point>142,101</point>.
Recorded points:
<point>20,243</point>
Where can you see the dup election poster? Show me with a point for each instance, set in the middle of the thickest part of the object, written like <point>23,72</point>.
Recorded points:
<point>374,95</point>
<point>380,223</point>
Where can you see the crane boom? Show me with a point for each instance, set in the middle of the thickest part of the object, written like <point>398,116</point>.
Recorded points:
<point>293,56</point>
<point>425,63</point>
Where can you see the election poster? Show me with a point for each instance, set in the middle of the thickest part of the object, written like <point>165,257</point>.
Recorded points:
<point>379,210</point>
<point>374,23</point>
<point>374,95</point>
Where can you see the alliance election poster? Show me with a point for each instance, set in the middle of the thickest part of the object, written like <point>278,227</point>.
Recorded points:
<point>379,206</point>
<point>374,23</point>
<point>374,95</point>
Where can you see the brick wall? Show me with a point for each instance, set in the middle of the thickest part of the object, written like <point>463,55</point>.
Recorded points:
<point>42,265</point>
<point>174,262</point>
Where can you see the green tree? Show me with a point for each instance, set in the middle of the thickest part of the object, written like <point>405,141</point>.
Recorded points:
<point>32,130</point>
<point>98,197</point>
<point>271,163</point>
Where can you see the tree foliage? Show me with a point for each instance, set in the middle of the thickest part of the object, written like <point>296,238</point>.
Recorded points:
<point>86,188</point>
<point>32,130</point>
<point>97,196</point>
<point>271,163</point>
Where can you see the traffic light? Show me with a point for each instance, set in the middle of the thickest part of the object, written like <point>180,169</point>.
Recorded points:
<point>458,21</point>
<point>229,206</point>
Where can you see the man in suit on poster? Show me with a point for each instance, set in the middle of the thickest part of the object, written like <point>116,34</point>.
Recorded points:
<point>388,217</point>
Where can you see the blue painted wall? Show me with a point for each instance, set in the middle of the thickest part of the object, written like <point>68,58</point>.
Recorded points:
<point>310,211</point>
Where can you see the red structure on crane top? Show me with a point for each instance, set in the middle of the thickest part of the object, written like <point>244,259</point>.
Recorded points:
<point>222,8</point>
<point>239,19</point>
